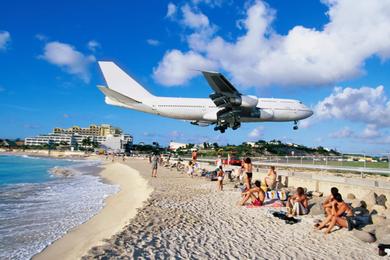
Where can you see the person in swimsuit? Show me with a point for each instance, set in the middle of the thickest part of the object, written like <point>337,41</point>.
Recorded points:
<point>270,179</point>
<point>327,204</point>
<point>298,203</point>
<point>247,165</point>
<point>220,175</point>
<point>338,215</point>
<point>256,195</point>
<point>154,160</point>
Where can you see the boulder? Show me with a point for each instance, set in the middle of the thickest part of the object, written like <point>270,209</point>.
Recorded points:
<point>370,229</point>
<point>383,234</point>
<point>381,200</point>
<point>317,194</point>
<point>316,209</point>
<point>378,209</point>
<point>378,219</point>
<point>350,196</point>
<point>364,236</point>
<point>386,213</point>
<point>387,204</point>
<point>370,199</point>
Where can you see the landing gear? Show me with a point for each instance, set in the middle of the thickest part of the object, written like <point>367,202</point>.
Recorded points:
<point>220,128</point>
<point>295,127</point>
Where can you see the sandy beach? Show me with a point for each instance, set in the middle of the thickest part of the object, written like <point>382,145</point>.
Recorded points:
<point>186,218</point>
<point>118,210</point>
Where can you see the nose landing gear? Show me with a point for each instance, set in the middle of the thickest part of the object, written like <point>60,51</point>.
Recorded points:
<point>295,127</point>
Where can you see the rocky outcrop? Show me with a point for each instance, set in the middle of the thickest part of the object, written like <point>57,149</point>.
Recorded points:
<point>61,172</point>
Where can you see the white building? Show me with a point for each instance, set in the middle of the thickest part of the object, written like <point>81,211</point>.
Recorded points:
<point>116,143</point>
<point>45,139</point>
<point>122,140</point>
<point>173,146</point>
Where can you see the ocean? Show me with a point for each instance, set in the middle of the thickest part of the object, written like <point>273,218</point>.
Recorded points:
<point>37,207</point>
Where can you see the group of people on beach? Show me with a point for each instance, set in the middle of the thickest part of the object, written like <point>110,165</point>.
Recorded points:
<point>336,210</point>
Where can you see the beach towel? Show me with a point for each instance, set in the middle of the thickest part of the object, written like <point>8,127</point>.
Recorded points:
<point>280,195</point>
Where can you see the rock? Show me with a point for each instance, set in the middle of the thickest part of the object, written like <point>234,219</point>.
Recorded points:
<point>378,209</point>
<point>386,213</point>
<point>381,200</point>
<point>383,234</point>
<point>316,209</point>
<point>370,229</point>
<point>387,204</point>
<point>364,236</point>
<point>378,220</point>
<point>370,199</point>
<point>350,196</point>
<point>317,193</point>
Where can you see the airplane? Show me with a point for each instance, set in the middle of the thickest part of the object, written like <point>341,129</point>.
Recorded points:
<point>226,107</point>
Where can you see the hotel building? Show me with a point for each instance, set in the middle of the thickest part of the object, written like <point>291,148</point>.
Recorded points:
<point>106,136</point>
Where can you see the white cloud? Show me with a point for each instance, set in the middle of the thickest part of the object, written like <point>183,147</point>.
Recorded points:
<point>356,31</point>
<point>342,133</point>
<point>153,42</point>
<point>93,45</point>
<point>211,3</point>
<point>41,37</point>
<point>69,59</point>
<point>171,10</point>
<point>256,133</point>
<point>5,38</point>
<point>371,131</point>
<point>177,67</point>
<point>192,19</point>
<point>366,105</point>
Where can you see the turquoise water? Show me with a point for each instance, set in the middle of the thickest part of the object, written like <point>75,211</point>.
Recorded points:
<point>24,169</point>
<point>37,208</point>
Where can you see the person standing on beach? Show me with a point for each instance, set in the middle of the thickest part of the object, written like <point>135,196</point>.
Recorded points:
<point>220,175</point>
<point>247,165</point>
<point>154,161</point>
<point>194,156</point>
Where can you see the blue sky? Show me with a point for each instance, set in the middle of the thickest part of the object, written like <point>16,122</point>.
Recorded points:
<point>300,49</point>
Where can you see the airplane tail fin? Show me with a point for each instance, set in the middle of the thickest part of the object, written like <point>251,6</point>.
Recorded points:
<point>121,83</point>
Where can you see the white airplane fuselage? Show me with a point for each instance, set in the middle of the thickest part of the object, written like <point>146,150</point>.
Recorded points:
<point>204,110</point>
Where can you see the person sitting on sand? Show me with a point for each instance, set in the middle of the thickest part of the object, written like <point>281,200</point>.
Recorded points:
<point>220,175</point>
<point>327,204</point>
<point>338,215</point>
<point>190,170</point>
<point>298,203</point>
<point>270,179</point>
<point>247,165</point>
<point>256,194</point>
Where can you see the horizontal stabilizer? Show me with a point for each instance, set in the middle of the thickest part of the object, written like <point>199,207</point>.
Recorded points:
<point>117,96</point>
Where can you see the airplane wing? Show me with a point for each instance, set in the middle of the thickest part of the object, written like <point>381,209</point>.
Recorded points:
<point>226,97</point>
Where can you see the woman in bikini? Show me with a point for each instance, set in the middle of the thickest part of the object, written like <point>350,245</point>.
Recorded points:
<point>256,194</point>
<point>338,215</point>
<point>220,175</point>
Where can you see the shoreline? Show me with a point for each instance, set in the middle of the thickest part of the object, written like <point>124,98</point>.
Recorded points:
<point>116,213</point>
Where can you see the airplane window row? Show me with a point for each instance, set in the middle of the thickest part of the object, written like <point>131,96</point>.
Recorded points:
<point>180,106</point>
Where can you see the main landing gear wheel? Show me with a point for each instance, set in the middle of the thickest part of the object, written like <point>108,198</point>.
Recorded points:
<point>295,127</point>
